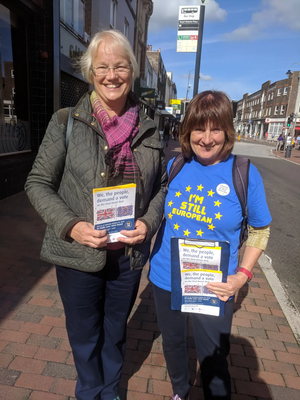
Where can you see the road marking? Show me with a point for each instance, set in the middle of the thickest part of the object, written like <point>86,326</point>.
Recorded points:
<point>288,308</point>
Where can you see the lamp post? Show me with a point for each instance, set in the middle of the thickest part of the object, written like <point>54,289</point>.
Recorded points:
<point>189,85</point>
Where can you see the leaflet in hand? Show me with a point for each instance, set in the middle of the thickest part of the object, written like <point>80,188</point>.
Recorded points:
<point>114,209</point>
<point>195,263</point>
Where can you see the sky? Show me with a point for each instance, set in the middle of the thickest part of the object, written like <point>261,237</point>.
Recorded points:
<point>245,43</point>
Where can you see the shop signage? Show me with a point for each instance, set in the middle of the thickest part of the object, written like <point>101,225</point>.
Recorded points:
<point>69,45</point>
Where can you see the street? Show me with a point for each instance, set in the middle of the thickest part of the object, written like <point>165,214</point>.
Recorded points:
<point>282,185</point>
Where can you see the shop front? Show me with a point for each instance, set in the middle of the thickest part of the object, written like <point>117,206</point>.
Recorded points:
<point>26,94</point>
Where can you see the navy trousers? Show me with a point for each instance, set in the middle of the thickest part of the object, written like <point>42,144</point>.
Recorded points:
<point>97,306</point>
<point>211,335</point>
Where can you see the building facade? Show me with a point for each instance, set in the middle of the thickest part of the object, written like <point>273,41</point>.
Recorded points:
<point>267,112</point>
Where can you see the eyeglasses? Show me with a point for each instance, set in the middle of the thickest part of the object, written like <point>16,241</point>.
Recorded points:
<point>119,70</point>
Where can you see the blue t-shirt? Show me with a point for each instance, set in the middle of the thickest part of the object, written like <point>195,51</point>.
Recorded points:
<point>202,204</point>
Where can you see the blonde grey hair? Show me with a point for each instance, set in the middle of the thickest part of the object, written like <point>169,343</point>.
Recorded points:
<point>114,39</point>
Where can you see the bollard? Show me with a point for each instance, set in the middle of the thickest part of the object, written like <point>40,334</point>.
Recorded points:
<point>288,151</point>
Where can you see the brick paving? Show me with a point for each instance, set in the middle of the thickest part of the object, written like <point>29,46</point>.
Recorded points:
<point>35,357</point>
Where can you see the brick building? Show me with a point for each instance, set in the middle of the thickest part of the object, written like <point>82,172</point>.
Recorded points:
<point>268,109</point>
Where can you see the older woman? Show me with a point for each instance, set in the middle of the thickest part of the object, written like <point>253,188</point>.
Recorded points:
<point>112,143</point>
<point>207,137</point>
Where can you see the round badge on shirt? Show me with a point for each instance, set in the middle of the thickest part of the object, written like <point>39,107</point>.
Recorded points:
<point>223,189</point>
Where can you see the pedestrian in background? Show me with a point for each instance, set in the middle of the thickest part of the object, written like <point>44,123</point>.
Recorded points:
<point>167,133</point>
<point>207,138</point>
<point>279,142</point>
<point>176,130</point>
<point>112,143</point>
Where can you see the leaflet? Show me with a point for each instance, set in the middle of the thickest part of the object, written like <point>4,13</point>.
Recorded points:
<point>195,263</point>
<point>114,209</point>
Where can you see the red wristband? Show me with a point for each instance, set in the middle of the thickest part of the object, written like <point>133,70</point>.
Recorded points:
<point>246,272</point>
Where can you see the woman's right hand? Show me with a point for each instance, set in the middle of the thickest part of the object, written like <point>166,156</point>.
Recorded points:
<point>84,233</point>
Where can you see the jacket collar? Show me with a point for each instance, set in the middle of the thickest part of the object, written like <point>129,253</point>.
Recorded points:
<point>83,111</point>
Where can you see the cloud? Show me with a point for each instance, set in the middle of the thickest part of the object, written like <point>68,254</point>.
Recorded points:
<point>275,13</point>
<point>205,77</point>
<point>165,13</point>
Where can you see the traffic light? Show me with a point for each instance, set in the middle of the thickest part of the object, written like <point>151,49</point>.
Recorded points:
<point>289,120</point>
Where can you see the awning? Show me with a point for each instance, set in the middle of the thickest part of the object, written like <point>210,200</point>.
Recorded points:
<point>297,128</point>
<point>167,114</point>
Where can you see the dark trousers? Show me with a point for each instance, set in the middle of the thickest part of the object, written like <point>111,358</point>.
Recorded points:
<point>211,335</point>
<point>97,306</point>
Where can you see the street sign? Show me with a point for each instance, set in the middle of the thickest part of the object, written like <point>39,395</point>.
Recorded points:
<point>188,25</point>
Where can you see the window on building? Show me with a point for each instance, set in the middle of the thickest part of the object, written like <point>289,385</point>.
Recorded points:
<point>272,95</point>
<point>285,91</point>
<point>275,128</point>
<point>279,92</point>
<point>276,110</point>
<point>126,27</point>
<point>14,115</point>
<point>113,13</point>
<point>282,109</point>
<point>72,13</point>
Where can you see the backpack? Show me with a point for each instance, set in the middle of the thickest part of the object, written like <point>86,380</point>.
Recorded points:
<point>240,175</point>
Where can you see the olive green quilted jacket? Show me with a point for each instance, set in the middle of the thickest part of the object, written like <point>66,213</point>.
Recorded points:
<point>61,182</point>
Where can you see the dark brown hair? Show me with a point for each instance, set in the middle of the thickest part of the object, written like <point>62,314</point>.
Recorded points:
<point>209,106</point>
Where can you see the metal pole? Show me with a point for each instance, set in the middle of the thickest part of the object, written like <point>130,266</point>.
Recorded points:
<point>187,89</point>
<point>296,107</point>
<point>199,48</point>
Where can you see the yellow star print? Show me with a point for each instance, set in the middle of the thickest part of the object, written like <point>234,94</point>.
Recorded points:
<point>170,216</point>
<point>170,203</point>
<point>188,188</point>
<point>217,203</point>
<point>176,226</point>
<point>210,193</point>
<point>199,233</point>
<point>200,187</point>
<point>186,233</point>
<point>211,227</point>
<point>178,194</point>
<point>218,216</point>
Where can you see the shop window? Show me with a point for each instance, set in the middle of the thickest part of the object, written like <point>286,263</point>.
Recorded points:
<point>14,120</point>
<point>72,13</point>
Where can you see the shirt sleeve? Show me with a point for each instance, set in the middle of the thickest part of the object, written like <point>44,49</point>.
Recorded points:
<point>258,211</point>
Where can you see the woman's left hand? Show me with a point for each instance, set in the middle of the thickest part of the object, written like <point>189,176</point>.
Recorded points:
<point>137,235</point>
<point>225,290</point>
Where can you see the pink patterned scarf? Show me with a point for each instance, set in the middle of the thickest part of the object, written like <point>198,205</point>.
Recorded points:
<point>119,132</point>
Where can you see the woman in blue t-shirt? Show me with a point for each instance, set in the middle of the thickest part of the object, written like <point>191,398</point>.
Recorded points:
<point>202,204</point>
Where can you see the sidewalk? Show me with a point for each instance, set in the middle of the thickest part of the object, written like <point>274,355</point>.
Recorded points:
<point>35,358</point>
<point>295,153</point>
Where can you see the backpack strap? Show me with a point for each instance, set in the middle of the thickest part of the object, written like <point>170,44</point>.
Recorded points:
<point>176,167</point>
<point>69,126</point>
<point>240,175</point>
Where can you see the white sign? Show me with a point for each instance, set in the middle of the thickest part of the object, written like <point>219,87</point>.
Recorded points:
<point>170,110</point>
<point>188,24</point>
